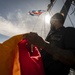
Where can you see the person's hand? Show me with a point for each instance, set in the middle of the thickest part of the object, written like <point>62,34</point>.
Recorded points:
<point>35,39</point>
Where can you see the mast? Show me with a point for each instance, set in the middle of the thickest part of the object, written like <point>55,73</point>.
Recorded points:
<point>66,8</point>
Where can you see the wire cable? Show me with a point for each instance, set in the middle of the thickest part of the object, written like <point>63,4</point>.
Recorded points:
<point>69,16</point>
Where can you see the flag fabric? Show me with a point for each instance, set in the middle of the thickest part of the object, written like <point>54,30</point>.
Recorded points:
<point>36,12</point>
<point>8,56</point>
<point>30,61</point>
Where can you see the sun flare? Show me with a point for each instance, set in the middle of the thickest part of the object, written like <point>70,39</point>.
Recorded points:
<point>47,18</point>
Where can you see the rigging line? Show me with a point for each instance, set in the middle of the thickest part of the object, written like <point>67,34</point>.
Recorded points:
<point>51,12</point>
<point>72,9</point>
<point>69,17</point>
<point>49,8</point>
<point>35,23</point>
<point>43,28</point>
<point>44,24</point>
<point>73,12</point>
<point>36,20</point>
<point>50,19</point>
<point>70,20</point>
<point>27,14</point>
<point>51,5</point>
<point>71,6</point>
<point>41,33</point>
<point>49,22</point>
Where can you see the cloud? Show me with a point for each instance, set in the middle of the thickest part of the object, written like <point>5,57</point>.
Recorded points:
<point>8,28</point>
<point>14,24</point>
<point>18,22</point>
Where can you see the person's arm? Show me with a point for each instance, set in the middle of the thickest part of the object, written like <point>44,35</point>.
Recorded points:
<point>65,56</point>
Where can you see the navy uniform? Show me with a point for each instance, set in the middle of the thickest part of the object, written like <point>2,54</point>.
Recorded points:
<point>62,38</point>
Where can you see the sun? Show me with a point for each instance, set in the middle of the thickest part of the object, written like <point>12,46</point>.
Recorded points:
<point>47,18</point>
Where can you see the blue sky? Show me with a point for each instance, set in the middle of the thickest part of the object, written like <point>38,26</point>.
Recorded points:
<point>14,17</point>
